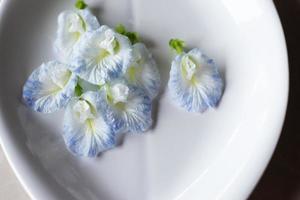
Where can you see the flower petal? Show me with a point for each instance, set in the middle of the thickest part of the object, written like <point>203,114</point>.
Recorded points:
<point>49,87</point>
<point>142,71</point>
<point>195,84</point>
<point>88,137</point>
<point>102,56</point>
<point>133,115</point>
<point>71,28</point>
<point>90,20</point>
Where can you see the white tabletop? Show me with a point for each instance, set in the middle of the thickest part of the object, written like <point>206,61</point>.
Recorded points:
<point>10,187</point>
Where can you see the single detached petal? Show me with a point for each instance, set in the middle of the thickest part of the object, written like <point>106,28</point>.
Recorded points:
<point>71,28</point>
<point>142,71</point>
<point>195,83</point>
<point>126,108</point>
<point>49,87</point>
<point>85,131</point>
<point>102,56</point>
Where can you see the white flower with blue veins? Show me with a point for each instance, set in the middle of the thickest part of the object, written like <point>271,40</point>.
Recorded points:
<point>72,26</point>
<point>195,82</point>
<point>127,108</point>
<point>102,56</point>
<point>105,79</point>
<point>49,87</point>
<point>85,131</point>
<point>142,70</point>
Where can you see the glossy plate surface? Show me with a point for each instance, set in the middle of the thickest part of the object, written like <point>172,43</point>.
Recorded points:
<point>220,154</point>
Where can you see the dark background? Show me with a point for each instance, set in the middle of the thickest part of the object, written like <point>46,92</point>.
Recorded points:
<point>281,180</point>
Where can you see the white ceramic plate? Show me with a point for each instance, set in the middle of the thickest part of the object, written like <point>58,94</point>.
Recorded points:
<point>217,155</point>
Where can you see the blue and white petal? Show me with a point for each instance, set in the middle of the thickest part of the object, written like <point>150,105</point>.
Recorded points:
<point>49,87</point>
<point>102,56</point>
<point>127,108</point>
<point>195,82</point>
<point>142,71</point>
<point>72,27</point>
<point>85,131</point>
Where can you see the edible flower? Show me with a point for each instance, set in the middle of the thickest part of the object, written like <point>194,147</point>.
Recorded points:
<point>50,87</point>
<point>85,131</point>
<point>127,108</point>
<point>195,82</point>
<point>142,71</point>
<point>102,56</point>
<point>72,26</point>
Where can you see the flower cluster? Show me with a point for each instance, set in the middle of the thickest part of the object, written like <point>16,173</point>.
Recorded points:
<point>104,78</point>
<point>195,83</point>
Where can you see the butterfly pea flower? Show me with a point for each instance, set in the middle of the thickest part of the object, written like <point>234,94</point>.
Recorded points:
<point>102,56</point>
<point>142,71</point>
<point>127,108</point>
<point>49,87</point>
<point>195,82</point>
<point>72,26</point>
<point>85,131</point>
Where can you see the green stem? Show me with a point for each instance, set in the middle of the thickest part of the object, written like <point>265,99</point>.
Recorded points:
<point>177,45</point>
<point>78,90</point>
<point>80,4</point>
<point>132,36</point>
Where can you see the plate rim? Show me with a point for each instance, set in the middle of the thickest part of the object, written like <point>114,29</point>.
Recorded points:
<point>30,191</point>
